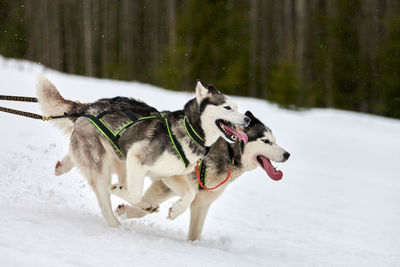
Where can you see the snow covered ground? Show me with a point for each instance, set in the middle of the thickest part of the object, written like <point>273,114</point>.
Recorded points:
<point>338,203</point>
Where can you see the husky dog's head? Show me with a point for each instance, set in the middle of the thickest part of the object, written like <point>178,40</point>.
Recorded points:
<point>262,148</point>
<point>219,115</point>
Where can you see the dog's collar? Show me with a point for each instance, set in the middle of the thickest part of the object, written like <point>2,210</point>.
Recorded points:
<point>200,170</point>
<point>192,133</point>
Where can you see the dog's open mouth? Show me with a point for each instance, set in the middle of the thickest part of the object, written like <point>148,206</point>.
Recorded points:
<point>272,172</point>
<point>230,132</point>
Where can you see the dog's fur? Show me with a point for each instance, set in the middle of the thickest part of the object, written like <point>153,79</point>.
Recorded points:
<point>217,162</point>
<point>147,145</point>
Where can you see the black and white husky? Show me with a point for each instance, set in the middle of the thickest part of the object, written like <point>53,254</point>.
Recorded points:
<point>260,150</point>
<point>148,147</point>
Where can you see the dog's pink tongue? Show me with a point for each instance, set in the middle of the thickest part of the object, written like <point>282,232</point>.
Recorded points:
<point>275,175</point>
<point>238,134</point>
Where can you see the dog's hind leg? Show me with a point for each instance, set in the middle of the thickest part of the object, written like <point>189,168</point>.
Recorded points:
<point>198,212</point>
<point>95,161</point>
<point>157,193</point>
<point>183,188</point>
<point>64,166</point>
<point>100,183</point>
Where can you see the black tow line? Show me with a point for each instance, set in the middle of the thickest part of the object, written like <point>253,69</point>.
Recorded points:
<point>29,114</point>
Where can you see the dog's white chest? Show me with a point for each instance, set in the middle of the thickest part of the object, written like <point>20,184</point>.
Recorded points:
<point>168,165</point>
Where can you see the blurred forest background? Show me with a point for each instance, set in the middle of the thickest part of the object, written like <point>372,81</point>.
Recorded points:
<point>298,53</point>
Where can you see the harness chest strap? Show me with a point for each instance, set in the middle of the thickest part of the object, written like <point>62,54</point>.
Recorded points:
<point>195,136</point>
<point>176,143</point>
<point>192,133</point>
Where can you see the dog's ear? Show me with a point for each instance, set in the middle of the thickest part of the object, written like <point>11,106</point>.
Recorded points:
<point>249,114</point>
<point>212,90</point>
<point>201,92</point>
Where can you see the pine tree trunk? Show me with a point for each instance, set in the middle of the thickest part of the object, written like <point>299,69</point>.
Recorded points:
<point>288,26</point>
<point>300,42</point>
<point>172,40</point>
<point>265,43</point>
<point>253,47</point>
<point>330,12</point>
<point>87,36</point>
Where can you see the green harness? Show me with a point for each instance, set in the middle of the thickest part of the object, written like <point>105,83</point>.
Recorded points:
<point>97,121</point>
<point>109,134</point>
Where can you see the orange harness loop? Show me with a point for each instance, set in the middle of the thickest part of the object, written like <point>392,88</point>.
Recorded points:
<point>196,168</point>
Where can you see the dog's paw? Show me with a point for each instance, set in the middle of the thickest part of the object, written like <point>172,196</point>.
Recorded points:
<point>134,211</point>
<point>137,212</point>
<point>121,192</point>
<point>59,168</point>
<point>115,187</point>
<point>118,190</point>
<point>175,210</point>
<point>120,210</point>
<point>152,209</point>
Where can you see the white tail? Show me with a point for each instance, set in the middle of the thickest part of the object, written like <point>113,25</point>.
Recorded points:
<point>53,104</point>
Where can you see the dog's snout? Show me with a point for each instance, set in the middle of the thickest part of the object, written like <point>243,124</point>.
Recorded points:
<point>286,155</point>
<point>247,121</point>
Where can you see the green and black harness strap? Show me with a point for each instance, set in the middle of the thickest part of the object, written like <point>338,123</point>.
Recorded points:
<point>114,137</point>
<point>192,133</point>
<point>108,133</point>
<point>176,143</point>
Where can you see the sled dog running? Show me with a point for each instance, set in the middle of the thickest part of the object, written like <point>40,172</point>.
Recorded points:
<point>260,150</point>
<point>129,138</point>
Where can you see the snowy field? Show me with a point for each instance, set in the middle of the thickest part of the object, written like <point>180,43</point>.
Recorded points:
<point>338,203</point>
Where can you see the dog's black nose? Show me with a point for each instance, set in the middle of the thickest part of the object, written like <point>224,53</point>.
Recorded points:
<point>247,121</point>
<point>286,155</point>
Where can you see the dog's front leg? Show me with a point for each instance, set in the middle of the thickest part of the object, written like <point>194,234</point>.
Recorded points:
<point>133,191</point>
<point>182,187</point>
<point>198,212</point>
<point>157,193</point>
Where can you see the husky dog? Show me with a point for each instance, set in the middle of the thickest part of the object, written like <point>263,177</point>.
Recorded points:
<point>259,151</point>
<point>150,147</point>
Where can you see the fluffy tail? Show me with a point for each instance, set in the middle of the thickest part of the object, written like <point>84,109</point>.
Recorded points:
<point>52,103</point>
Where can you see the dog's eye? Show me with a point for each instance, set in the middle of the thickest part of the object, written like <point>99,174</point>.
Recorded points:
<point>266,141</point>
<point>227,108</point>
